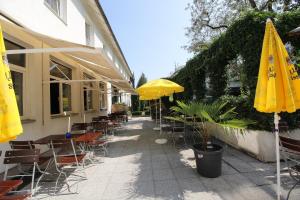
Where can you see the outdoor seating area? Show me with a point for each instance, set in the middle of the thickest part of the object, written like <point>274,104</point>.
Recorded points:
<point>52,158</point>
<point>138,168</point>
<point>218,118</point>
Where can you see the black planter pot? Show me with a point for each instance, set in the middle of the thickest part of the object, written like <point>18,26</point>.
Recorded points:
<point>209,162</point>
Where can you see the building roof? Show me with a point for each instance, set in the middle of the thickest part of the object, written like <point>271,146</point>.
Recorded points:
<point>112,33</point>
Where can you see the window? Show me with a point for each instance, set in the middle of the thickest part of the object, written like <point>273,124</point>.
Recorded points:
<point>103,95</point>
<point>58,7</point>
<point>17,63</point>
<point>17,78</point>
<point>88,91</point>
<point>115,95</point>
<point>60,93</point>
<point>89,34</point>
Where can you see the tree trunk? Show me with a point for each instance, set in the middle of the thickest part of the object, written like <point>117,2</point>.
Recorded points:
<point>253,4</point>
<point>270,3</point>
<point>286,4</point>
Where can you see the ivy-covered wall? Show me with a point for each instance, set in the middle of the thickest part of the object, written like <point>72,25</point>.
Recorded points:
<point>244,39</point>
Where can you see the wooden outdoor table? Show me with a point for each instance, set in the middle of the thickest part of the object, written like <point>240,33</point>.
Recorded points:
<point>47,139</point>
<point>88,137</point>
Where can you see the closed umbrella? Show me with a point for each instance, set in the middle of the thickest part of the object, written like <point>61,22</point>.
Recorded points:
<point>10,123</point>
<point>278,86</point>
<point>159,88</point>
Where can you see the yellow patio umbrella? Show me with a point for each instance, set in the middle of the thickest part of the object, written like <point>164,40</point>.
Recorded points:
<point>157,89</point>
<point>10,124</point>
<point>278,86</point>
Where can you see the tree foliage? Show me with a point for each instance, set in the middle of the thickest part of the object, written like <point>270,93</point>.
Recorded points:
<point>243,41</point>
<point>142,80</point>
<point>210,18</point>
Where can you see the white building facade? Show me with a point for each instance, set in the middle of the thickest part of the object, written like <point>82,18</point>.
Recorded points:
<point>58,79</point>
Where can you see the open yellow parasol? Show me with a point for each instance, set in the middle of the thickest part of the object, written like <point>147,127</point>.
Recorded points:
<point>10,124</point>
<point>278,86</point>
<point>156,89</point>
<point>159,88</point>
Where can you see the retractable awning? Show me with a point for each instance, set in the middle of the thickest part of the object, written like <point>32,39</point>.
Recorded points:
<point>92,58</point>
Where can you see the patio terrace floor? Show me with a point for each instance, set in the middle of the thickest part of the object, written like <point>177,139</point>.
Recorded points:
<point>138,168</point>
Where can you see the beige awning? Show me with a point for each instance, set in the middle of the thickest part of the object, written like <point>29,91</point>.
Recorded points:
<point>90,57</point>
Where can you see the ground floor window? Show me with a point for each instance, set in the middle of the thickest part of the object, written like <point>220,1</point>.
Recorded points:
<point>88,92</point>
<point>103,95</point>
<point>17,78</point>
<point>17,65</point>
<point>115,95</point>
<point>60,92</point>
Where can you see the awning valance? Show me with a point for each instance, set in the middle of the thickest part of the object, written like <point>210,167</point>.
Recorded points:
<point>92,58</point>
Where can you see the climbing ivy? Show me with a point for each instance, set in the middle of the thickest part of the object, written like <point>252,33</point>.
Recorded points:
<point>243,38</point>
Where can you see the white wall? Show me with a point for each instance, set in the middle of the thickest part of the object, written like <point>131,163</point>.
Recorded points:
<point>35,15</point>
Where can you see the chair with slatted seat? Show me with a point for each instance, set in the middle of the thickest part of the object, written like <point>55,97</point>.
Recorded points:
<point>16,197</point>
<point>45,158</point>
<point>28,157</point>
<point>8,186</point>
<point>178,132</point>
<point>290,149</point>
<point>66,157</point>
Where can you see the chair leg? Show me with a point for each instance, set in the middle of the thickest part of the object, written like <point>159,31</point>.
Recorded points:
<point>32,180</point>
<point>43,174</point>
<point>288,196</point>
<point>55,189</point>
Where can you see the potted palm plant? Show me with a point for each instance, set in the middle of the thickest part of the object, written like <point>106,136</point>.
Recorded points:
<point>203,117</point>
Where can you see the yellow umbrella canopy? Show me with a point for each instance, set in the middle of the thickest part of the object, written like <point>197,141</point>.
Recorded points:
<point>146,98</point>
<point>159,88</point>
<point>278,86</point>
<point>10,124</point>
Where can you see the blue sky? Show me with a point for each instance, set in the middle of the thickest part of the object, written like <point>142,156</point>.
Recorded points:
<point>151,33</point>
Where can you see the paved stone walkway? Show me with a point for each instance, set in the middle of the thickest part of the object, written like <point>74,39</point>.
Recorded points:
<point>138,168</point>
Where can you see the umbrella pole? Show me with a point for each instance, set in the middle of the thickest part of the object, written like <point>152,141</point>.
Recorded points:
<point>276,122</point>
<point>156,112</point>
<point>160,116</point>
<point>150,109</point>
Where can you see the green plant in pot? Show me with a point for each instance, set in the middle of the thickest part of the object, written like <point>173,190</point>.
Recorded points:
<point>205,118</point>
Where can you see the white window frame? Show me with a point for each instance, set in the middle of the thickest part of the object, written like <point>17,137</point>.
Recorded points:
<point>89,32</point>
<point>21,70</point>
<point>103,105</point>
<point>61,111</point>
<point>24,71</point>
<point>88,88</point>
<point>62,12</point>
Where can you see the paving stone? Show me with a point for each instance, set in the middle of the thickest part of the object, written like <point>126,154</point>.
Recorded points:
<point>118,191</point>
<point>261,178</point>
<point>227,169</point>
<point>137,168</point>
<point>162,174</point>
<point>238,180</point>
<point>215,184</point>
<point>239,164</point>
<point>185,172</point>
<point>167,189</point>
<point>160,164</point>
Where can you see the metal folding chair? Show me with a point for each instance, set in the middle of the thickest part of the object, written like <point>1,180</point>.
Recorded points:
<point>24,157</point>
<point>290,149</point>
<point>66,157</point>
